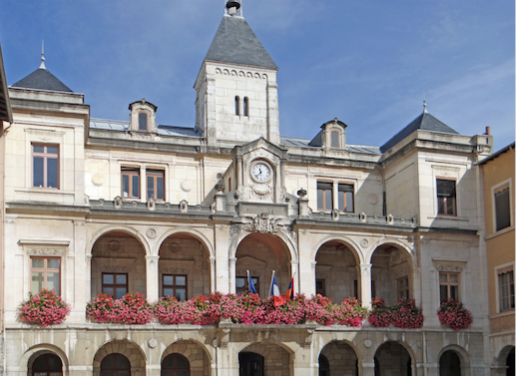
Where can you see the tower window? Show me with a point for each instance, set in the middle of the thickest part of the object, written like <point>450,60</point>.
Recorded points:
<point>246,106</point>
<point>142,121</point>
<point>446,197</point>
<point>237,106</point>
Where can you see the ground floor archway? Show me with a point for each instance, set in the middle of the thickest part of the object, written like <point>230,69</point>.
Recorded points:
<point>392,359</point>
<point>264,359</point>
<point>338,358</point>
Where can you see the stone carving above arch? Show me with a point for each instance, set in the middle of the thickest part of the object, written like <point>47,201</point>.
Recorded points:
<point>449,265</point>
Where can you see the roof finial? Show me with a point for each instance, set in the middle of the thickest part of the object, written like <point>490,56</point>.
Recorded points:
<point>42,66</point>
<point>233,8</point>
<point>424,104</point>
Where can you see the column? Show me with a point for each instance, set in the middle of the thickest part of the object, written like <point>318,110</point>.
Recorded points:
<point>294,266</point>
<point>213,286</point>
<point>152,278</point>
<point>232,274</point>
<point>365,286</point>
<point>367,368</point>
<point>87,288</point>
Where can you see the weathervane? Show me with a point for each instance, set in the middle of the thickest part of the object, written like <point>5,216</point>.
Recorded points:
<point>42,65</point>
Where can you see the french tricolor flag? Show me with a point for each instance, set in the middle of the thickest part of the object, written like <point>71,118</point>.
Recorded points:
<point>275,292</point>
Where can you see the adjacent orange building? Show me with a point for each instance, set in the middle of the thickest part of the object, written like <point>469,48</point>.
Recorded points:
<point>498,180</point>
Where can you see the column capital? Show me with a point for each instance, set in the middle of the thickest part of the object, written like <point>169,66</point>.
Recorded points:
<point>152,258</point>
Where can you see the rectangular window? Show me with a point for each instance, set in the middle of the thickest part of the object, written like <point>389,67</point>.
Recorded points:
<point>446,197</point>
<point>175,285</point>
<point>324,196</point>
<point>142,121</point>
<point>346,198</point>
<point>114,284</point>
<point>130,182</point>
<point>506,289</point>
<point>403,287</point>
<point>156,184</point>
<point>45,273</point>
<point>320,287</point>
<point>502,208</point>
<point>242,286</point>
<point>335,142</point>
<point>45,166</point>
<point>448,286</point>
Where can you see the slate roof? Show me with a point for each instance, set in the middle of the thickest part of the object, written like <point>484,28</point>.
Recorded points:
<point>164,130</point>
<point>235,42</point>
<point>424,122</point>
<point>42,79</point>
<point>299,143</point>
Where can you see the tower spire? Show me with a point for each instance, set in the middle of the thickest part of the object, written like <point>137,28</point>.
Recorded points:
<point>42,65</point>
<point>424,104</point>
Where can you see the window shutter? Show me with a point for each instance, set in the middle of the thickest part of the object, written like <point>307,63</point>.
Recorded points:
<point>502,208</point>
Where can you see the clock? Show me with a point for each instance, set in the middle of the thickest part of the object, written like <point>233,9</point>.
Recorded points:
<point>261,172</point>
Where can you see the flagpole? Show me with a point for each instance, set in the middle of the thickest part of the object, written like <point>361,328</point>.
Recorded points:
<point>248,287</point>
<point>272,277</point>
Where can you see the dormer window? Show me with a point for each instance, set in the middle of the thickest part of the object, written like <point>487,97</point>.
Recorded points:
<point>237,106</point>
<point>143,116</point>
<point>246,106</point>
<point>142,121</point>
<point>335,139</point>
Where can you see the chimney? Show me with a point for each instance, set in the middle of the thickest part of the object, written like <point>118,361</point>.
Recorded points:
<point>488,131</point>
<point>233,6</point>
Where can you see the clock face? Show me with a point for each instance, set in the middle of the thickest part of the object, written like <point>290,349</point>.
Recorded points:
<point>261,172</point>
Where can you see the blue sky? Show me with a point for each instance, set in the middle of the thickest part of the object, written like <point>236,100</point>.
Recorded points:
<point>369,63</point>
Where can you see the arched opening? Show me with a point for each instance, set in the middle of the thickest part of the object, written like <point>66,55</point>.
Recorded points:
<point>449,364</point>
<point>115,365</point>
<point>237,105</point>
<point>336,273</point>
<point>391,274</point>
<point>509,363</point>
<point>119,358</point>
<point>261,254</point>
<point>324,366</point>
<point>184,267</point>
<point>46,364</point>
<point>250,364</point>
<point>392,358</point>
<point>246,106</point>
<point>175,365</point>
<point>118,265</point>
<point>341,359</point>
<point>185,358</point>
<point>264,359</point>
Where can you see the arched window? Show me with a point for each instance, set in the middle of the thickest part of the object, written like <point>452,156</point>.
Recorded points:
<point>237,105</point>
<point>142,121</point>
<point>324,366</point>
<point>47,365</point>
<point>115,365</point>
<point>449,364</point>
<point>175,365</point>
<point>246,106</point>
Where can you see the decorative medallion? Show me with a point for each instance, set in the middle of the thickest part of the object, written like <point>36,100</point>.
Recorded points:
<point>151,233</point>
<point>114,245</point>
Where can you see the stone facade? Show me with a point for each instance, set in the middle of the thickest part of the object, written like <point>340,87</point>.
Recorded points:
<point>235,197</point>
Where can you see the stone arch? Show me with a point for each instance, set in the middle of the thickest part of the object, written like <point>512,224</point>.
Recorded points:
<point>386,241</point>
<point>392,271</point>
<point>129,349</point>
<point>116,228</point>
<point>337,270</point>
<point>350,243</point>
<point>196,353</point>
<point>208,245</point>
<point>32,353</point>
<point>285,239</point>
<point>465,360</point>
<point>278,358</point>
<point>185,267</point>
<point>501,359</point>
<point>118,264</point>
<point>389,347</point>
<point>342,356</point>
<point>261,253</point>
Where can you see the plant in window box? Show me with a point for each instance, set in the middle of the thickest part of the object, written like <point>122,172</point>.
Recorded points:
<point>131,309</point>
<point>45,308</point>
<point>349,312</point>
<point>405,314</point>
<point>453,314</point>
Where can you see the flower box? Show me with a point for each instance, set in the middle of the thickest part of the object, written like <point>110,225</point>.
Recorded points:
<point>131,309</point>
<point>453,314</point>
<point>45,308</point>
<point>404,315</point>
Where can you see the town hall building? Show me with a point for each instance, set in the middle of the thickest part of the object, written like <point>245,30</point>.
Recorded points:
<point>101,206</point>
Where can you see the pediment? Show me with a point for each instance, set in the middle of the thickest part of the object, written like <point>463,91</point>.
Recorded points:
<point>261,143</point>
